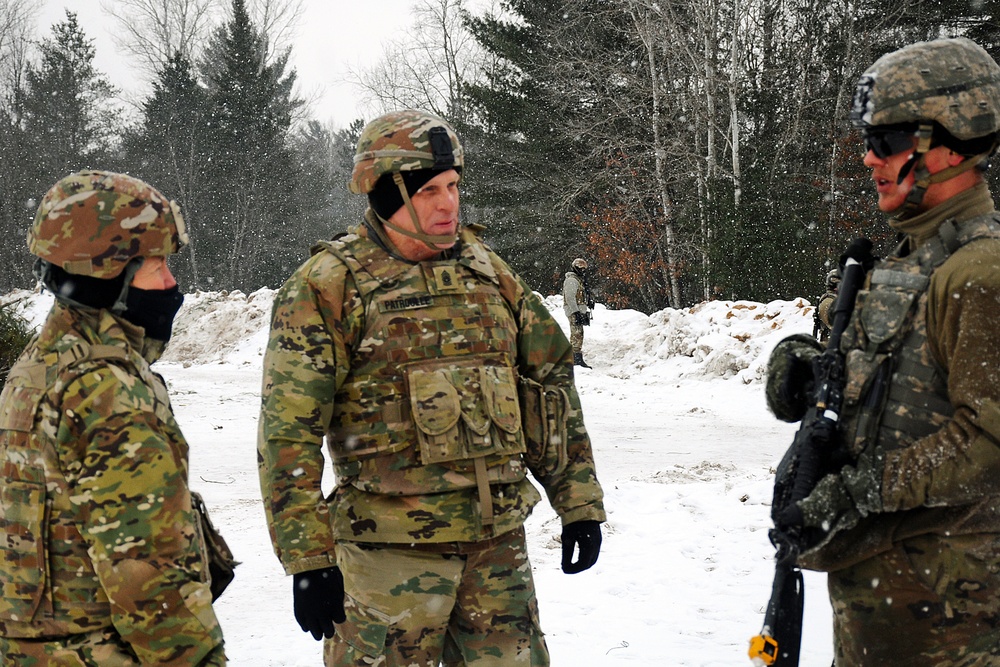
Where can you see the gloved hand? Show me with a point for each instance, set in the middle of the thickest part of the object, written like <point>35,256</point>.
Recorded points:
<point>841,499</point>
<point>319,600</point>
<point>586,535</point>
<point>580,319</point>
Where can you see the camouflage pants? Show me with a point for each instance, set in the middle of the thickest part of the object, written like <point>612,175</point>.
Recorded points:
<point>451,604</point>
<point>576,337</point>
<point>101,648</point>
<point>929,601</point>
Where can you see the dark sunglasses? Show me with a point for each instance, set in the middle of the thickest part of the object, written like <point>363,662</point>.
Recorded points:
<point>888,142</point>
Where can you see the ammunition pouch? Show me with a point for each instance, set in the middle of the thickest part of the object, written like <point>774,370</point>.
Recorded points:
<point>464,408</point>
<point>545,413</point>
<point>221,563</point>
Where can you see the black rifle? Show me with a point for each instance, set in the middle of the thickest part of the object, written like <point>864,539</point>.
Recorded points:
<point>809,457</point>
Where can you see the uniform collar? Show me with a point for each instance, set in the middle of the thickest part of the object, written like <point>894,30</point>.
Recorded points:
<point>98,327</point>
<point>968,204</point>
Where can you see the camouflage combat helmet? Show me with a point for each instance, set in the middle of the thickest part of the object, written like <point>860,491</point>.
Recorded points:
<point>93,223</point>
<point>404,141</point>
<point>953,82</point>
<point>944,92</point>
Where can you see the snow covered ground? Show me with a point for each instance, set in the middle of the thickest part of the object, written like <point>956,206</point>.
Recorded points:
<point>685,450</point>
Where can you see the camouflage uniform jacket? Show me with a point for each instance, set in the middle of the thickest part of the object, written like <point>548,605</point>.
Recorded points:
<point>923,383</point>
<point>366,350</point>
<point>94,503</point>
<point>574,296</point>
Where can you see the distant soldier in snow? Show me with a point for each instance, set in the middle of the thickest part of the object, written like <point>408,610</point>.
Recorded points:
<point>578,304</point>
<point>102,555</point>
<point>438,379</point>
<point>821,316</point>
<point>908,530</point>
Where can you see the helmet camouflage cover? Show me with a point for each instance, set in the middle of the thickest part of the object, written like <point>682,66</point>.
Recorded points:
<point>404,141</point>
<point>93,223</point>
<point>954,82</point>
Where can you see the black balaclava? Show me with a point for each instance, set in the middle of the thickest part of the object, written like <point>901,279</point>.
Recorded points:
<point>153,310</point>
<point>385,198</point>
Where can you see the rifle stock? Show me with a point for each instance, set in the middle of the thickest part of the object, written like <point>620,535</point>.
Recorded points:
<point>801,468</point>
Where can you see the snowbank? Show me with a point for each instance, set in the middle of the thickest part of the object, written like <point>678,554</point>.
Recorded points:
<point>716,339</point>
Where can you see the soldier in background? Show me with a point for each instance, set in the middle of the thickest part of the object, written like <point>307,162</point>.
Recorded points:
<point>908,531</point>
<point>103,559</point>
<point>821,316</point>
<point>578,304</point>
<point>438,379</point>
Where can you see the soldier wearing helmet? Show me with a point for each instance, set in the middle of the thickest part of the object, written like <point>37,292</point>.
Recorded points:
<point>439,380</point>
<point>907,529</point>
<point>103,556</point>
<point>578,304</point>
<point>821,316</point>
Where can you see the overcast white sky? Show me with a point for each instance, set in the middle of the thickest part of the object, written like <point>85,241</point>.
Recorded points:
<point>331,36</point>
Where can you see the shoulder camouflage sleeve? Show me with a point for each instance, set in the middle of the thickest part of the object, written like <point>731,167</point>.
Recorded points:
<point>305,362</point>
<point>545,355</point>
<point>126,462</point>
<point>960,462</point>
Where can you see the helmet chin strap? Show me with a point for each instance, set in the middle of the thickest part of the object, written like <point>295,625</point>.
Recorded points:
<point>431,241</point>
<point>922,177</point>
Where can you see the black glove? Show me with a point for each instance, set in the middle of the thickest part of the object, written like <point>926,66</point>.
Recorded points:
<point>579,319</point>
<point>586,534</point>
<point>319,600</point>
<point>860,250</point>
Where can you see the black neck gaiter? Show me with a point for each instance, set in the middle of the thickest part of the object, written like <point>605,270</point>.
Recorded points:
<point>153,310</point>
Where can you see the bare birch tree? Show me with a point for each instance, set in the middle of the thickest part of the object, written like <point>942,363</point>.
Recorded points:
<point>645,19</point>
<point>16,21</point>
<point>277,19</point>
<point>152,31</point>
<point>426,69</point>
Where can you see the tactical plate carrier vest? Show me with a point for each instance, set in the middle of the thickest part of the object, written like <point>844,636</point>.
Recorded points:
<point>431,402</point>
<point>895,391</point>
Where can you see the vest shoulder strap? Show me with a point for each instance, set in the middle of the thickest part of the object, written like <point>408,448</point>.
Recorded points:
<point>951,236</point>
<point>370,266</point>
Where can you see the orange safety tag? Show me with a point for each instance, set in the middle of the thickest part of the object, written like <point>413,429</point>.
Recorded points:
<point>763,650</point>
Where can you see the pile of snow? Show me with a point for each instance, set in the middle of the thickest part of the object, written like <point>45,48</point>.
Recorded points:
<point>716,339</point>
<point>221,327</point>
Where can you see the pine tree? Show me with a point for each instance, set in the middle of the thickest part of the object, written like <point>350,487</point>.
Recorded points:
<point>519,168</point>
<point>563,130</point>
<point>325,159</point>
<point>252,170</point>
<point>168,150</point>
<point>18,197</point>
<point>68,109</point>
<point>14,337</point>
